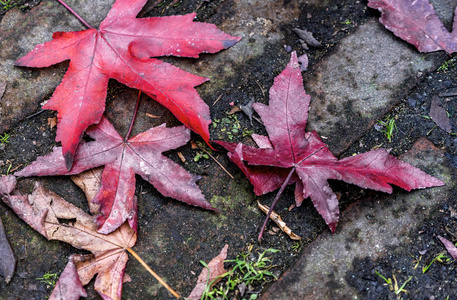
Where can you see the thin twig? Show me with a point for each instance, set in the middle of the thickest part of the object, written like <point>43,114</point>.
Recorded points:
<point>217,162</point>
<point>75,14</point>
<point>447,94</point>
<point>285,183</point>
<point>218,98</point>
<point>35,114</point>
<point>263,92</point>
<point>138,258</point>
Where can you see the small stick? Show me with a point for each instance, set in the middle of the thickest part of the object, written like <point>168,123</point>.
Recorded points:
<point>286,182</point>
<point>217,162</point>
<point>278,220</point>
<point>447,94</point>
<point>141,261</point>
<point>75,14</point>
<point>35,114</point>
<point>218,98</point>
<point>263,93</point>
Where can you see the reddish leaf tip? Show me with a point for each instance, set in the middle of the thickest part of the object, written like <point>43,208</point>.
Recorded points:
<point>332,227</point>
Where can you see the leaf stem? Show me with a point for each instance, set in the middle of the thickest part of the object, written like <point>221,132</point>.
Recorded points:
<point>286,182</point>
<point>160,280</point>
<point>134,116</point>
<point>75,14</point>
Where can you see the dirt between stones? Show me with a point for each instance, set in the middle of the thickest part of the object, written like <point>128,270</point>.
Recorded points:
<point>173,237</point>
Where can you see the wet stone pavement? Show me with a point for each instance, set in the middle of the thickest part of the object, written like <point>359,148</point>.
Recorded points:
<point>362,74</point>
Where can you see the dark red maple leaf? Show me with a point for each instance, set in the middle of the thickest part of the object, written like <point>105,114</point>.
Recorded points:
<point>417,23</point>
<point>121,49</point>
<point>289,155</point>
<point>123,158</point>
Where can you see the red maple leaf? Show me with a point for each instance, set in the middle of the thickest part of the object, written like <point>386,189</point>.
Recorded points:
<point>417,23</point>
<point>289,155</point>
<point>121,49</point>
<point>123,158</point>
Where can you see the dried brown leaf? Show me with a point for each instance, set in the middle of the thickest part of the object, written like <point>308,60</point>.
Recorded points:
<point>216,269</point>
<point>439,115</point>
<point>45,211</point>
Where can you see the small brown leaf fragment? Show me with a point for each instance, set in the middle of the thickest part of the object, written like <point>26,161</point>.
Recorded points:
<point>216,269</point>
<point>90,181</point>
<point>234,109</point>
<point>303,60</point>
<point>7,184</point>
<point>308,37</point>
<point>152,116</point>
<point>451,249</point>
<point>7,259</point>
<point>181,157</point>
<point>439,115</point>
<point>248,110</point>
<point>52,122</point>
<point>278,220</point>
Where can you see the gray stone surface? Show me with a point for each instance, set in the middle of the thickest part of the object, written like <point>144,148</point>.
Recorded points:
<point>366,229</point>
<point>360,82</point>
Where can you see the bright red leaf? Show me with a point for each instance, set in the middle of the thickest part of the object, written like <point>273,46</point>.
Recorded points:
<point>48,214</point>
<point>290,155</point>
<point>417,23</point>
<point>123,158</point>
<point>121,49</point>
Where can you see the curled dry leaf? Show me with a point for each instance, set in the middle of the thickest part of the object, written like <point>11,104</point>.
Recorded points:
<point>46,212</point>
<point>289,155</point>
<point>278,220</point>
<point>307,37</point>
<point>216,269</point>
<point>439,114</point>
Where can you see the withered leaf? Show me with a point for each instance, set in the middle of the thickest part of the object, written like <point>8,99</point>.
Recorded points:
<point>439,114</point>
<point>216,269</point>
<point>46,212</point>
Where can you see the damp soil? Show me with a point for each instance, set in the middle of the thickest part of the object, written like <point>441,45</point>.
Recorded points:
<point>34,136</point>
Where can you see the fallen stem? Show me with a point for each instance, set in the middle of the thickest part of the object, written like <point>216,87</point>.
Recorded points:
<point>286,182</point>
<point>217,162</point>
<point>160,280</point>
<point>75,14</point>
<point>134,116</point>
